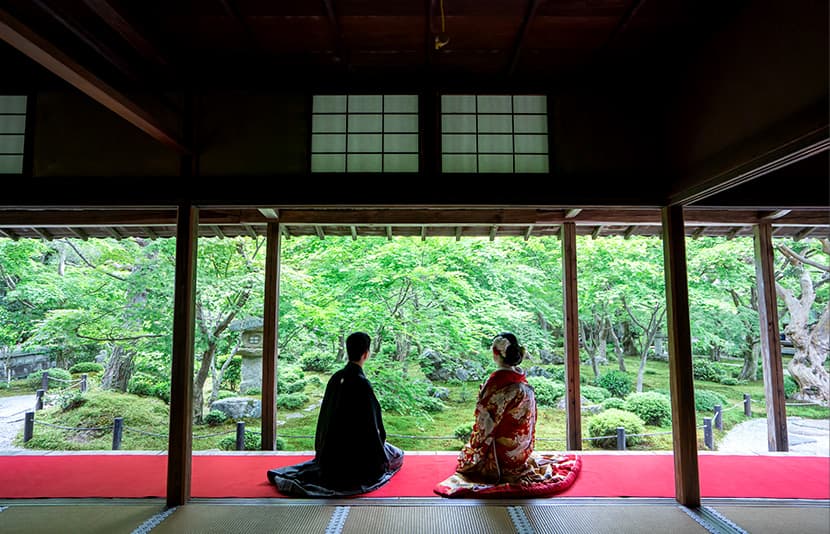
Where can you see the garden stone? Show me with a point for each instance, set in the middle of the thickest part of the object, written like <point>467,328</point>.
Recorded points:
<point>439,365</point>
<point>549,358</point>
<point>538,371</point>
<point>440,393</point>
<point>238,407</point>
<point>587,407</point>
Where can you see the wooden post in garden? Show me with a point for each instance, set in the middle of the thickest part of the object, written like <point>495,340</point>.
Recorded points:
<point>117,431</point>
<point>708,439</point>
<point>270,334</point>
<point>44,380</point>
<point>28,426</point>
<point>240,436</point>
<point>718,417</point>
<point>39,399</point>
<point>620,438</point>
<point>777,439</point>
<point>747,405</point>
<point>573,407</point>
<point>681,375</point>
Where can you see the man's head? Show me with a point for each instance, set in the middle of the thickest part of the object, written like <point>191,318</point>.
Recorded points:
<point>357,344</point>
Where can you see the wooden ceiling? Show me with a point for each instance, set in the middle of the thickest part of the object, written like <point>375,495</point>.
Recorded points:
<point>391,222</point>
<point>159,43</point>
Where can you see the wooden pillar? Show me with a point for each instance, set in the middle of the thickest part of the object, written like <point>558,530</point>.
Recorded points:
<point>179,447</point>
<point>777,439</point>
<point>270,334</point>
<point>571,313</point>
<point>681,377</point>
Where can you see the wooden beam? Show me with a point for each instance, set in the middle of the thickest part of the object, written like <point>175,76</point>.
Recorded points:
<point>319,231</point>
<point>339,48</point>
<point>596,231</point>
<point>528,232</point>
<point>269,213</point>
<point>698,231</point>
<point>43,233</point>
<point>681,376</point>
<point>53,59</point>
<point>270,338</point>
<point>251,232</point>
<point>570,214</point>
<point>354,232</point>
<point>217,231</point>
<point>233,11</point>
<point>121,26</point>
<point>180,446</point>
<point>284,232</point>
<point>777,438</point>
<point>458,233</point>
<point>732,233</point>
<point>11,234</point>
<point>4,234</point>
<point>389,233</point>
<point>803,233</point>
<point>521,35</point>
<point>629,231</point>
<point>75,233</point>
<point>573,408</point>
<point>493,230</point>
<point>150,232</point>
<point>777,214</point>
<point>423,233</point>
<point>113,231</point>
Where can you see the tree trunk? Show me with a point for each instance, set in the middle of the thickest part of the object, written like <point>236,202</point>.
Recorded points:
<point>199,383</point>
<point>618,349</point>
<point>341,346</point>
<point>751,356</point>
<point>811,344</point>
<point>629,347</point>
<point>402,345</point>
<point>590,347</point>
<point>119,369</point>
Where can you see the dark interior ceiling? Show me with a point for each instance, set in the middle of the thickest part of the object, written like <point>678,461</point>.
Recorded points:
<point>163,44</point>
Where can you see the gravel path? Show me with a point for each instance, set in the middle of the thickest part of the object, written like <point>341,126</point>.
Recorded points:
<point>806,436</point>
<point>11,418</point>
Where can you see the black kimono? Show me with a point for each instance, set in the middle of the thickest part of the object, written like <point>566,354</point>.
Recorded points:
<point>352,455</point>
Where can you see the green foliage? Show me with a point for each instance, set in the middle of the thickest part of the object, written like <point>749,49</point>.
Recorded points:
<point>652,407</point>
<point>224,394</point>
<point>614,402</point>
<point>705,400</point>
<point>557,372</point>
<point>707,370</point>
<point>606,423</point>
<point>67,399</point>
<point>34,380</point>
<point>86,367</point>
<point>148,385</point>
<point>253,392</point>
<point>594,393</point>
<point>290,387</point>
<point>463,432</point>
<point>790,386</point>
<point>214,418</point>
<point>292,401</point>
<point>233,372</point>
<point>616,382</point>
<point>252,440</point>
<point>729,381</point>
<point>432,404</point>
<point>318,363</point>
<point>547,391</point>
<point>398,392</point>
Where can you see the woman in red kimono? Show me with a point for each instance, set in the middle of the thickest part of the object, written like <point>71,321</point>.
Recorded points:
<point>498,461</point>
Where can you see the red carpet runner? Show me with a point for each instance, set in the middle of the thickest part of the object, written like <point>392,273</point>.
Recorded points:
<point>612,475</point>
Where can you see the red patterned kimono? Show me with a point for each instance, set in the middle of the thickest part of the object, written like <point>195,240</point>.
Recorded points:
<point>498,461</point>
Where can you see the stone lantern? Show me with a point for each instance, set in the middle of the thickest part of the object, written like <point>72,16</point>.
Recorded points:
<point>251,351</point>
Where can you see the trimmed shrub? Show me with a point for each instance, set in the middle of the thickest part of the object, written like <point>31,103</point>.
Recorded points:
<point>86,367</point>
<point>34,379</point>
<point>707,370</point>
<point>547,391</point>
<point>705,400</point>
<point>652,407</point>
<point>617,382</point>
<point>224,394</point>
<point>613,402</point>
<point>233,372</point>
<point>318,362</point>
<point>729,381</point>
<point>215,418</point>
<point>253,391</point>
<point>594,393</point>
<point>253,441</point>
<point>432,404</point>
<point>292,401</point>
<point>557,372</point>
<point>790,386</point>
<point>147,385</point>
<point>606,423</point>
<point>285,387</point>
<point>463,432</point>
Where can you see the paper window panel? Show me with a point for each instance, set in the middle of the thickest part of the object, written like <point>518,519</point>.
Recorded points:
<point>459,163</point>
<point>14,124</point>
<point>458,143</point>
<point>12,104</point>
<point>489,144</point>
<point>328,163</point>
<point>364,163</point>
<point>400,123</point>
<point>400,143</point>
<point>531,144</point>
<point>495,163</point>
<point>458,104</point>
<point>530,104</point>
<point>494,104</point>
<point>531,163</point>
<point>458,124</point>
<point>328,143</point>
<point>329,104</point>
<point>365,123</point>
<point>530,124</point>
<point>365,103</point>
<point>365,143</point>
<point>11,144</point>
<point>400,162</point>
<point>400,104</point>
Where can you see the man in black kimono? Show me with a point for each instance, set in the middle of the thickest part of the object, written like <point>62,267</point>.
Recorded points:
<point>352,454</point>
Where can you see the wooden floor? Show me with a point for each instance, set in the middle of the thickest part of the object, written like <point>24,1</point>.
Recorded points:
<point>410,515</point>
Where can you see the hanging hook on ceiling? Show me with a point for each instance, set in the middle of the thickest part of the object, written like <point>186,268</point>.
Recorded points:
<point>442,39</point>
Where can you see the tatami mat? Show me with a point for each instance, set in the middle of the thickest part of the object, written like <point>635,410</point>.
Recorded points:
<point>87,518</point>
<point>428,519</point>
<point>228,518</point>
<point>764,518</point>
<point>622,519</point>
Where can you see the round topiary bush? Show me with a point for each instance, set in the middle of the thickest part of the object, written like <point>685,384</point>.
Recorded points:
<point>594,393</point>
<point>706,400</point>
<point>215,418</point>
<point>707,370</point>
<point>34,379</point>
<point>617,382</point>
<point>463,432</point>
<point>292,401</point>
<point>547,391</point>
<point>318,362</point>
<point>613,402</point>
<point>86,367</point>
<point>652,407</point>
<point>606,423</point>
<point>729,381</point>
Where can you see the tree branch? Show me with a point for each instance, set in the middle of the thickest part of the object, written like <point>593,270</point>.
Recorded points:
<point>78,252</point>
<point>795,257</point>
